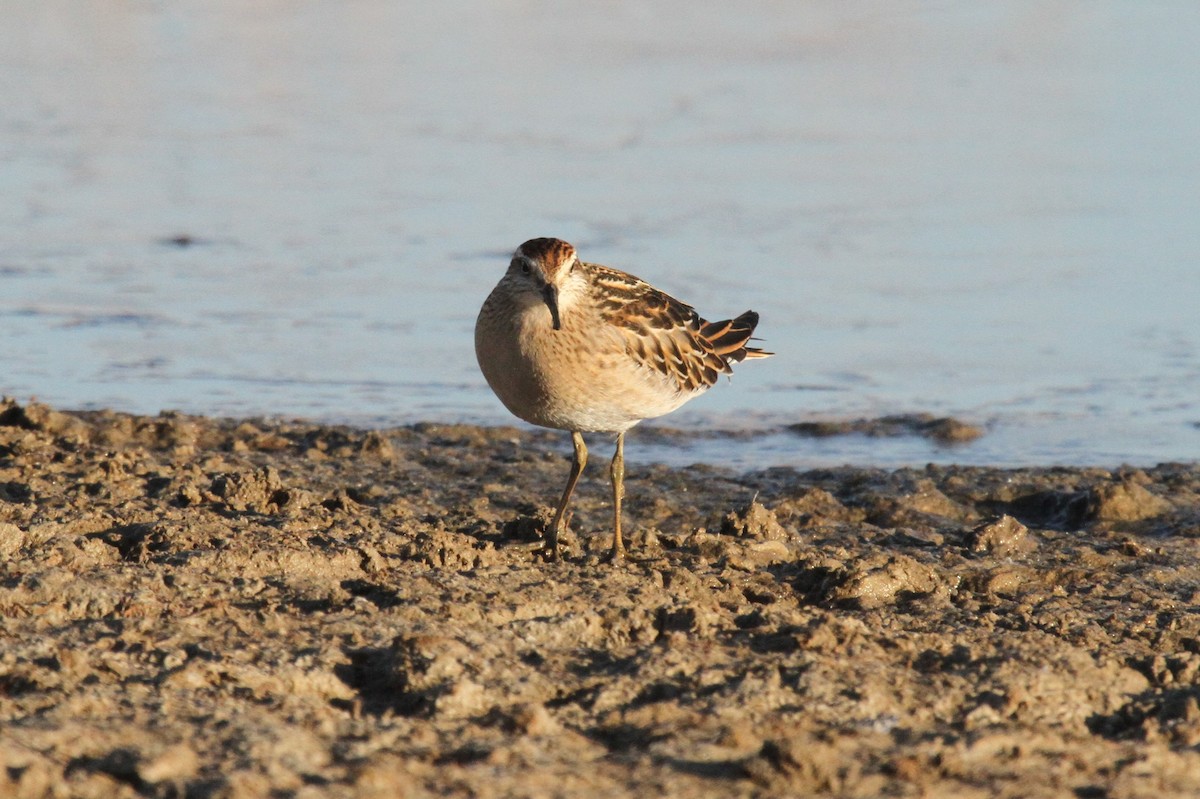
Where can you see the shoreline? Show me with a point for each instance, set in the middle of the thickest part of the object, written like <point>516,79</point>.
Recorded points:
<point>214,607</point>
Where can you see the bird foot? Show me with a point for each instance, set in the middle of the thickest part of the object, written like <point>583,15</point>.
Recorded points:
<point>614,556</point>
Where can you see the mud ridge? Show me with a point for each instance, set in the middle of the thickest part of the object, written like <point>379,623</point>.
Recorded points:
<point>222,608</point>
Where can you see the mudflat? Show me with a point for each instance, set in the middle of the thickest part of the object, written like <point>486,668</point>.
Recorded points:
<point>223,608</point>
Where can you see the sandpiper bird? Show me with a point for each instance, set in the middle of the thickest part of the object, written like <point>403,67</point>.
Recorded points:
<point>581,347</point>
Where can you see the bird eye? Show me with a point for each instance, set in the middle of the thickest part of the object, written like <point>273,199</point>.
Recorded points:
<point>525,268</point>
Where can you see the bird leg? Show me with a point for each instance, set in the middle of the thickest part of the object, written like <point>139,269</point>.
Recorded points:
<point>617,472</point>
<point>559,525</point>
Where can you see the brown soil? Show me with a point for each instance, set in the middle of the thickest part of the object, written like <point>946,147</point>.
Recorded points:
<point>209,608</point>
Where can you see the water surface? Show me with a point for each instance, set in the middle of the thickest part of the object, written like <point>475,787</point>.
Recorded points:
<point>984,210</point>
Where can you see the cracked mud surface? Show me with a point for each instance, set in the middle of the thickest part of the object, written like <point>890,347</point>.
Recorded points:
<point>211,608</point>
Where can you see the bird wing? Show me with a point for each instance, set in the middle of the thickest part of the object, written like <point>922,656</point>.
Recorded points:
<point>668,336</point>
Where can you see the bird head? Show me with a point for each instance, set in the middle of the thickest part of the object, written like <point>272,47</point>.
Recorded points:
<point>545,267</point>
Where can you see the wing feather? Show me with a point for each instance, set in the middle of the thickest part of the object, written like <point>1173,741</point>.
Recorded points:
<point>668,336</point>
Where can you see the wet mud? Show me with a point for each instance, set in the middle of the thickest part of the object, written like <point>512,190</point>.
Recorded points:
<point>225,608</point>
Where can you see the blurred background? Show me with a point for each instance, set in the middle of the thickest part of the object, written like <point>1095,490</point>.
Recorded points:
<point>990,211</point>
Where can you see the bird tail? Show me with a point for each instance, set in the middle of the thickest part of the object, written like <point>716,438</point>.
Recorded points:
<point>729,337</point>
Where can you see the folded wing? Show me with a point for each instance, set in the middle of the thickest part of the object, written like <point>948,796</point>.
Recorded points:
<point>668,336</point>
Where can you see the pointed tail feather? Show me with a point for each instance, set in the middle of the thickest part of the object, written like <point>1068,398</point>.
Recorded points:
<point>729,336</point>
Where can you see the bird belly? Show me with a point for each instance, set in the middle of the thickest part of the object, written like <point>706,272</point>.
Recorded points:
<point>553,378</point>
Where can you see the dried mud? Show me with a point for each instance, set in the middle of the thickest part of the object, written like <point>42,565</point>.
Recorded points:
<point>210,608</point>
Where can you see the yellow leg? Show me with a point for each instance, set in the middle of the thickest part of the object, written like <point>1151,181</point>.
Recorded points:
<point>617,471</point>
<point>559,525</point>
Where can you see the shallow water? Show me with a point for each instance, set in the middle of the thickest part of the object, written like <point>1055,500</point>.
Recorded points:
<point>980,210</point>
